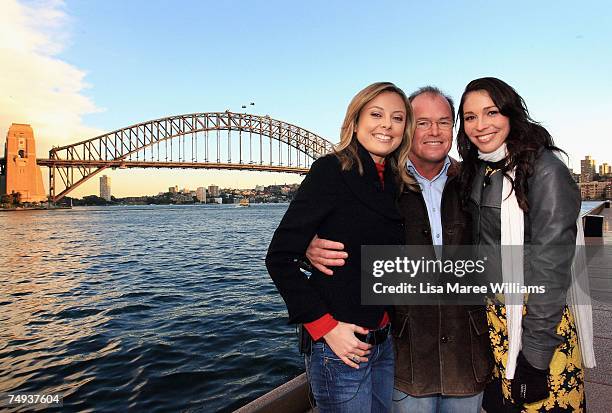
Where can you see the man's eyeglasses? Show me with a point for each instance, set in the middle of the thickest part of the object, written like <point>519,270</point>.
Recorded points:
<point>426,124</point>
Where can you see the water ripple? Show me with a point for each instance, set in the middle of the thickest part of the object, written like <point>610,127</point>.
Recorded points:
<point>117,313</point>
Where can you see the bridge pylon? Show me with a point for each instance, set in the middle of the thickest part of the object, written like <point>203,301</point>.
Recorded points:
<point>21,174</point>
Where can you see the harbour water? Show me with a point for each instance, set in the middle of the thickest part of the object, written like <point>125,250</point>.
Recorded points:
<point>147,308</point>
<point>588,206</point>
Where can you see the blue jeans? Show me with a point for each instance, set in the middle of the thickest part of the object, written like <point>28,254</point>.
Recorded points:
<point>404,403</point>
<point>339,388</point>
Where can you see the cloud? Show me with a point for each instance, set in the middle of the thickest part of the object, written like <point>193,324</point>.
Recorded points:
<point>36,86</point>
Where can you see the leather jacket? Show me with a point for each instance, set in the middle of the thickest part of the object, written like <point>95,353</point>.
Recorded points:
<point>440,349</point>
<point>554,205</point>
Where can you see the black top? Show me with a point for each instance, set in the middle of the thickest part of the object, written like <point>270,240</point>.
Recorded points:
<point>341,206</point>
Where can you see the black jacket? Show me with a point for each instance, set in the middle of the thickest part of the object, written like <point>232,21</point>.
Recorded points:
<point>342,206</point>
<point>441,349</point>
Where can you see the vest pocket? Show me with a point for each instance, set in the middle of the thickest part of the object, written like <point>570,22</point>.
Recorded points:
<point>482,359</point>
<point>403,350</point>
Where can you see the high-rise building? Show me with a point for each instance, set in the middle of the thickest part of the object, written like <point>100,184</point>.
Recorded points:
<point>605,169</point>
<point>173,189</point>
<point>201,194</point>
<point>587,169</point>
<point>105,187</point>
<point>213,191</point>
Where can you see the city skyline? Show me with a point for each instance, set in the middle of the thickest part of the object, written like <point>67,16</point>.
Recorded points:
<point>211,190</point>
<point>597,168</point>
<point>75,69</point>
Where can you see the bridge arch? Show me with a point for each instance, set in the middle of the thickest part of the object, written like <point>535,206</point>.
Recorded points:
<point>199,140</point>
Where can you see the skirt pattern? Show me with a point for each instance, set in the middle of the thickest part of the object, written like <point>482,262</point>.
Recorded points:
<point>566,377</point>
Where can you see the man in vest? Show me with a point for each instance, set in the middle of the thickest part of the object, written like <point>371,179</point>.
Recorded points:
<point>443,352</point>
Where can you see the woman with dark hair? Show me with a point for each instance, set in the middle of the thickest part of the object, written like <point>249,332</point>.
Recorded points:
<point>520,193</point>
<point>347,196</point>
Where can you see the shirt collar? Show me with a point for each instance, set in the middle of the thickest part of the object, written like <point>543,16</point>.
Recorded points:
<point>416,174</point>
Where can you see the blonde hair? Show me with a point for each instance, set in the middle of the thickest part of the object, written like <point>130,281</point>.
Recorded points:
<point>346,150</point>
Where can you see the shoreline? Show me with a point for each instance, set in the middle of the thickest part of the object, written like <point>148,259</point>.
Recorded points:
<point>46,208</point>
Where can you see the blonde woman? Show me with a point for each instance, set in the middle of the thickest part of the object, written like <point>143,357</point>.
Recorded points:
<point>348,196</point>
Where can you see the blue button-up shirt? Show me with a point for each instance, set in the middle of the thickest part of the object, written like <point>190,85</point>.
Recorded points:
<point>432,194</point>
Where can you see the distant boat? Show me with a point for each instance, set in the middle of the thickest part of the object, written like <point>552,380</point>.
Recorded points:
<point>244,202</point>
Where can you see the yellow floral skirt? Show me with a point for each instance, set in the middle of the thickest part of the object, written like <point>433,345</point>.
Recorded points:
<point>566,377</point>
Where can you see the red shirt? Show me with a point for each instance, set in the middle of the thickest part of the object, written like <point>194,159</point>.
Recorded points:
<point>380,168</point>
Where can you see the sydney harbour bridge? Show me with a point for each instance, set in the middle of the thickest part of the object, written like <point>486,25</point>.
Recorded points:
<point>212,140</point>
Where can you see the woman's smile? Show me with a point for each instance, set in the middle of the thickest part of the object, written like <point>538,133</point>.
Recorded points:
<point>383,137</point>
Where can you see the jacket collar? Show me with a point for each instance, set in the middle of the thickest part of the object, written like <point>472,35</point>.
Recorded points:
<point>367,188</point>
<point>454,168</point>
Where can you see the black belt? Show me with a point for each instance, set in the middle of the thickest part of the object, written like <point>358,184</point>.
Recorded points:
<point>375,337</point>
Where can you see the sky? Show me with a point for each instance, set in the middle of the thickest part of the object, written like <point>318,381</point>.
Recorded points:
<point>78,69</point>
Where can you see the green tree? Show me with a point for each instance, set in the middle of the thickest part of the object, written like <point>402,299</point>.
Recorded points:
<point>94,200</point>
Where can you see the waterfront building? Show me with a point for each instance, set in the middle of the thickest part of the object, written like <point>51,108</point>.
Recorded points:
<point>21,173</point>
<point>594,189</point>
<point>213,191</point>
<point>587,169</point>
<point>605,170</point>
<point>259,188</point>
<point>173,189</point>
<point>105,187</point>
<point>201,194</point>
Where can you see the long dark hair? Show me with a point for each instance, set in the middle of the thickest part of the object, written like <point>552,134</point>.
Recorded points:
<point>524,142</point>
